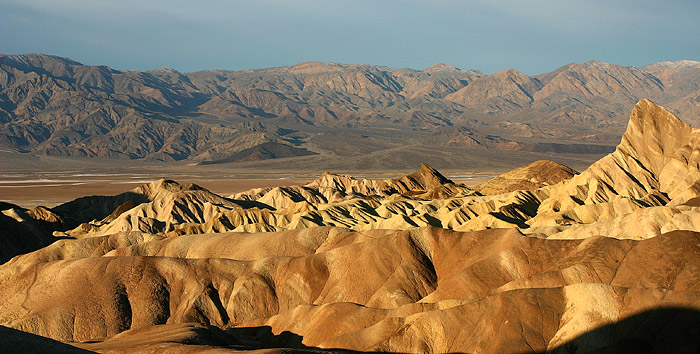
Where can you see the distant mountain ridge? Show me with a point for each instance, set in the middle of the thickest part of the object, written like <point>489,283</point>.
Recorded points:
<point>56,106</point>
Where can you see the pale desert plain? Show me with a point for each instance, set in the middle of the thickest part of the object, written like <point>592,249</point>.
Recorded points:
<point>31,188</point>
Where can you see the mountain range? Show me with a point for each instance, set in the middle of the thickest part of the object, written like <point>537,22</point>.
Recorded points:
<point>541,259</point>
<point>56,106</point>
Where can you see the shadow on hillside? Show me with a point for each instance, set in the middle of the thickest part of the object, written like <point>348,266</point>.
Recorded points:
<point>262,337</point>
<point>24,235</point>
<point>97,207</point>
<point>13,341</point>
<point>664,330</point>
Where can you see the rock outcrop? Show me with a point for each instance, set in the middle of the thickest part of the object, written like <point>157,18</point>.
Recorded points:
<point>532,176</point>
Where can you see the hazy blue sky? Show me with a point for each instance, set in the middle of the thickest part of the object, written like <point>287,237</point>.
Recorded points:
<point>533,36</point>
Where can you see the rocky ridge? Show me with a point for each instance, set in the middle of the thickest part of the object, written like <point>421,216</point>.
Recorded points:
<point>56,106</point>
<point>648,169</point>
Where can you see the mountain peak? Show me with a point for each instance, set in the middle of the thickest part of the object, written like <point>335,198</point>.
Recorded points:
<point>650,119</point>
<point>429,177</point>
<point>166,70</point>
<point>505,90</point>
<point>532,176</point>
<point>440,67</point>
<point>42,58</point>
<point>508,72</point>
<point>653,135</point>
<point>511,75</point>
<point>673,64</point>
<point>427,169</point>
<point>165,185</point>
<point>316,67</point>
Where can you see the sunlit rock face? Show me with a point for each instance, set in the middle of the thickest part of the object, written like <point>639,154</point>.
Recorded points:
<point>605,260</point>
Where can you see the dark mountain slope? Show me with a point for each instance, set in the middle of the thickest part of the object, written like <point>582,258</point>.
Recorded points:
<point>56,106</point>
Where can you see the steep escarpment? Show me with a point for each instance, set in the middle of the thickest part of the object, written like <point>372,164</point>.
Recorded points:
<point>656,164</point>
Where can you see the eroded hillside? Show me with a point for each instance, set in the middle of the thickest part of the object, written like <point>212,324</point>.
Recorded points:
<point>52,106</point>
<point>538,259</point>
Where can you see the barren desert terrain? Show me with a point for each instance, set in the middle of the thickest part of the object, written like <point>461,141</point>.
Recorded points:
<point>395,176</point>
<point>32,188</point>
<point>541,258</point>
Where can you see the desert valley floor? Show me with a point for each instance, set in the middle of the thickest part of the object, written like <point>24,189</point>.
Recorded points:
<point>49,188</point>
<point>538,259</point>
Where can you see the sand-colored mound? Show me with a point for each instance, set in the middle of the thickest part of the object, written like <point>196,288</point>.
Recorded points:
<point>639,224</point>
<point>329,187</point>
<point>418,290</point>
<point>25,230</point>
<point>153,208</point>
<point>534,175</point>
<point>331,200</point>
<point>521,321</point>
<point>168,193</point>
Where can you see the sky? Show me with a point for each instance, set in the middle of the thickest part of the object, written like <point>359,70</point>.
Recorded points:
<point>533,36</point>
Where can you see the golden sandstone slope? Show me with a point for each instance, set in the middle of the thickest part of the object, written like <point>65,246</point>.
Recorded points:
<point>604,261</point>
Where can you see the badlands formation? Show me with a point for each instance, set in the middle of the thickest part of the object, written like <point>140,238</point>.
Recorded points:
<point>540,259</point>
